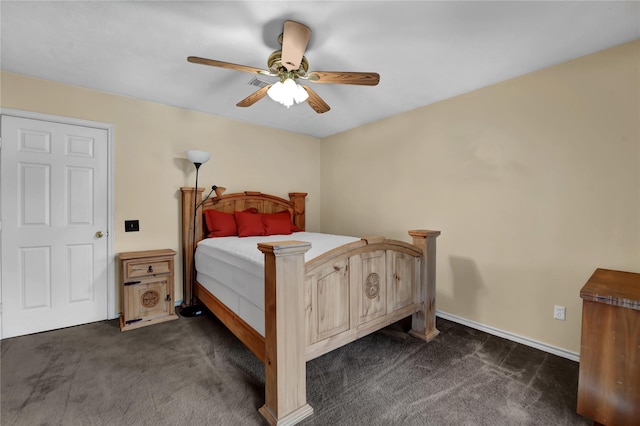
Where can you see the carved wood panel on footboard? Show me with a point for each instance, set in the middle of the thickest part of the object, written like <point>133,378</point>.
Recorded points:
<point>376,284</point>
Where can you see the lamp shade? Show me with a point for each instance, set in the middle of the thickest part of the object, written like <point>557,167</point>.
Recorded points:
<point>300,95</point>
<point>199,157</point>
<point>219,190</point>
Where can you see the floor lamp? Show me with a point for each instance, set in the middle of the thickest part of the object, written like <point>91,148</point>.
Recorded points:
<point>198,158</point>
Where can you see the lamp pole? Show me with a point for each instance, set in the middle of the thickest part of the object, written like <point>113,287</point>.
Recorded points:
<point>198,158</point>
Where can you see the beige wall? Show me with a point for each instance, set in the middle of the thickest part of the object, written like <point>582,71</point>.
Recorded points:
<point>150,165</point>
<point>534,183</point>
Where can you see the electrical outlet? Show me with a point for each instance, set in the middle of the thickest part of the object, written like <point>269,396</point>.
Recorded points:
<point>559,312</point>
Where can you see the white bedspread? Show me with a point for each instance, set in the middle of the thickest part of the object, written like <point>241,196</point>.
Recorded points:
<point>232,269</point>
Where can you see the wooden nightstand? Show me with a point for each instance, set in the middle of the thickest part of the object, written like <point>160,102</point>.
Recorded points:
<point>147,288</point>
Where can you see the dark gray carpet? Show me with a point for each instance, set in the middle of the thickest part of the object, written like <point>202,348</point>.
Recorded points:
<point>193,371</point>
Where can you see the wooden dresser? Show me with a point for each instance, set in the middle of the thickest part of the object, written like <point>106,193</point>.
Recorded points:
<point>609,381</point>
<point>147,288</point>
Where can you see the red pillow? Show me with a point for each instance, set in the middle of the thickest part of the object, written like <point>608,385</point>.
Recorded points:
<point>286,214</point>
<point>277,224</point>
<point>249,224</point>
<point>220,224</point>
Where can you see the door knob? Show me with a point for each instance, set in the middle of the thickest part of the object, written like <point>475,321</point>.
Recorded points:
<point>99,234</point>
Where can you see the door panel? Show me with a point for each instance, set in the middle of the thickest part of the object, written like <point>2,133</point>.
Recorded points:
<point>54,200</point>
<point>34,272</point>
<point>33,196</point>
<point>80,257</point>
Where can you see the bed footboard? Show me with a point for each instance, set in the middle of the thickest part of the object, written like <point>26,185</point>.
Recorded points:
<point>348,293</point>
<point>365,286</point>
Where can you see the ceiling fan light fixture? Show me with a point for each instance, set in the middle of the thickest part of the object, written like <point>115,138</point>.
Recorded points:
<point>300,94</point>
<point>275,91</point>
<point>287,92</point>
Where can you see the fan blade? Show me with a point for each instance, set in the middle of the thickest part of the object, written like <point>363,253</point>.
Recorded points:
<point>316,101</point>
<point>254,97</point>
<point>337,77</point>
<point>295,38</point>
<point>228,65</point>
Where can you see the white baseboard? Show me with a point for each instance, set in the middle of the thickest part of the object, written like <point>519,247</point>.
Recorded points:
<point>510,336</point>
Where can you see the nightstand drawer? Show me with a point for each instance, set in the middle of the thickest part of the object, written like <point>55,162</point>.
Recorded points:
<point>148,268</point>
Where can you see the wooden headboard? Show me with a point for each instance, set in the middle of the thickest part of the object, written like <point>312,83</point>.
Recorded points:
<point>229,203</point>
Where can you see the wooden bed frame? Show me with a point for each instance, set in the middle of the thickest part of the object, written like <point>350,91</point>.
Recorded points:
<point>313,308</point>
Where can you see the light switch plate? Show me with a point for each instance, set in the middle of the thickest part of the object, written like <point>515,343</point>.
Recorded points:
<point>131,225</point>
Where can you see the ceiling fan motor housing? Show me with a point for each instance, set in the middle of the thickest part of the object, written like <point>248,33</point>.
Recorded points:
<point>274,63</point>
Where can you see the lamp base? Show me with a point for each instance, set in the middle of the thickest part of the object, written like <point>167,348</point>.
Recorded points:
<point>192,311</point>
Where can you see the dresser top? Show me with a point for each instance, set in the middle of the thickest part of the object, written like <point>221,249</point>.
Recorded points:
<point>614,288</point>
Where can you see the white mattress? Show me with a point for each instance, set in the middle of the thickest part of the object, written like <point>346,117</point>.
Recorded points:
<point>232,269</point>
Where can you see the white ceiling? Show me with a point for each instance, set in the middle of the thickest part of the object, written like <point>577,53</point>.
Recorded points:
<point>423,51</point>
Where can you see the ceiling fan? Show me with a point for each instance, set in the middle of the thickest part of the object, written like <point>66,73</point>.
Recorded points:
<point>289,64</point>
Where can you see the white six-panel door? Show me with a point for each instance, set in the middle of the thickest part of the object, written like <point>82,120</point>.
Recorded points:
<point>54,225</point>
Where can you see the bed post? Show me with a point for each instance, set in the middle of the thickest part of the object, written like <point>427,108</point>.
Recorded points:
<point>188,246</point>
<point>285,338</point>
<point>423,322</point>
<point>298,201</point>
